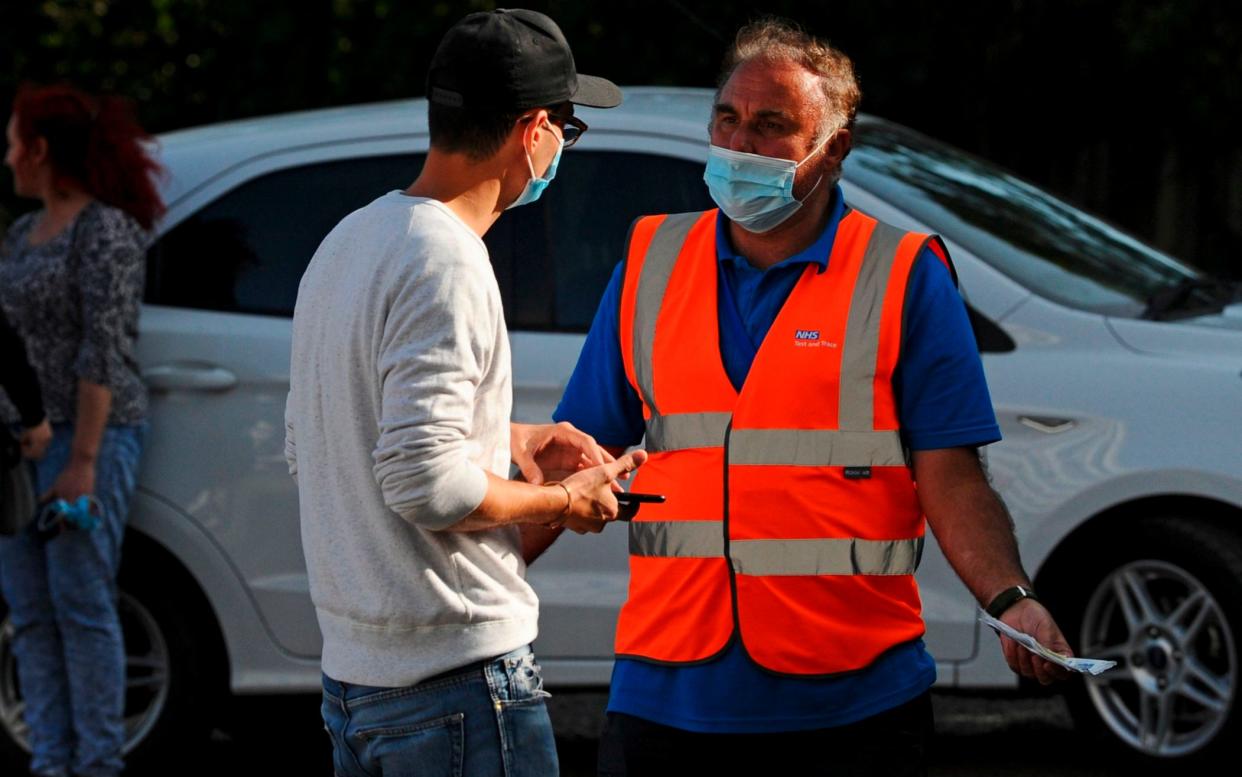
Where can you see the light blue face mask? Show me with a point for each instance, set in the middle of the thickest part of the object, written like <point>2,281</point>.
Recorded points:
<point>754,191</point>
<point>535,186</point>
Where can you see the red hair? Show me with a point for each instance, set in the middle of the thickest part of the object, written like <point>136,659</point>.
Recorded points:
<point>94,142</point>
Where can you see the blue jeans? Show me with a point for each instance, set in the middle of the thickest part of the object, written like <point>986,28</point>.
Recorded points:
<point>61,595</point>
<point>486,720</point>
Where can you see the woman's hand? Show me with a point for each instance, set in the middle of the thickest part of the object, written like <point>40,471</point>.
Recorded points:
<point>35,439</point>
<point>77,479</point>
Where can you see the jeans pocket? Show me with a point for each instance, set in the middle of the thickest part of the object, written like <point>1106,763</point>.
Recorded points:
<point>527,744</point>
<point>524,680</point>
<point>333,724</point>
<point>431,748</point>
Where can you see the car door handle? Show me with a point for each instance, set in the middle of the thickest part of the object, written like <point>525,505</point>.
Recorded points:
<point>188,376</point>
<point>1046,424</point>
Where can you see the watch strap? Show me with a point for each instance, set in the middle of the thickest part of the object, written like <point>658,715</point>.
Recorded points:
<point>1008,598</point>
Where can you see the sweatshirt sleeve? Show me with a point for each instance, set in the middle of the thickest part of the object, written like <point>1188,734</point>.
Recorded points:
<point>437,342</point>
<point>17,378</point>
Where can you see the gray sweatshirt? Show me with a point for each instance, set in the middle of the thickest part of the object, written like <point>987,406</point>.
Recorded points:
<point>399,404</point>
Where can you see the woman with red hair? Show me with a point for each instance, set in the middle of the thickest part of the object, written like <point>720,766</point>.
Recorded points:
<point>71,278</point>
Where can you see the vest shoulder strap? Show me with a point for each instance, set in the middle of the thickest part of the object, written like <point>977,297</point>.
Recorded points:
<point>651,252</point>
<point>930,241</point>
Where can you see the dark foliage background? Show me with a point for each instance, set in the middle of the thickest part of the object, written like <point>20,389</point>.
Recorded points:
<point>1130,108</point>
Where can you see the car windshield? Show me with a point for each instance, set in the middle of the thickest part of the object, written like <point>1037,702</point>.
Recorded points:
<point>1047,245</point>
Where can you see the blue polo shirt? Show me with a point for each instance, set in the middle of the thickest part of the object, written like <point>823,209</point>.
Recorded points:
<point>943,402</point>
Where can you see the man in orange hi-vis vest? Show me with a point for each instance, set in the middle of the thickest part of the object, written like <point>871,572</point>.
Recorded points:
<point>811,396</point>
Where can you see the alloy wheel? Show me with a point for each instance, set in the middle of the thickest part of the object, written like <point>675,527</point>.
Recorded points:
<point>1177,672</point>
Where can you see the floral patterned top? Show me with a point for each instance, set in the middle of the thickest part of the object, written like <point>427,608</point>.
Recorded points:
<point>74,300</point>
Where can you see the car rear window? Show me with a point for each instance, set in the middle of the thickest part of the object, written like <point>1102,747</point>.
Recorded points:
<point>1044,243</point>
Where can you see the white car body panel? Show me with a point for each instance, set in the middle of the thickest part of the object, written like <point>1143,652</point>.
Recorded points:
<point>256,662</point>
<point>217,494</point>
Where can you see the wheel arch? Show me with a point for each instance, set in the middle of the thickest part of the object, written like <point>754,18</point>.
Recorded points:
<point>255,663</point>
<point>144,555</point>
<point>1109,522</point>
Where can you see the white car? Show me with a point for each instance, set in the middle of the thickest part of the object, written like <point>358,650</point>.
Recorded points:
<point>1115,371</point>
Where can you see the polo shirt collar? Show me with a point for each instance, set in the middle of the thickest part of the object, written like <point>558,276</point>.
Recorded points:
<point>817,252</point>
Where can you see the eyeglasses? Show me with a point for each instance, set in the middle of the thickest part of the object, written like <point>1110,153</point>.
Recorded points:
<point>572,127</point>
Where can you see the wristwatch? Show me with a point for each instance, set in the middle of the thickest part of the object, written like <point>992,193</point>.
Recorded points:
<point>1008,598</point>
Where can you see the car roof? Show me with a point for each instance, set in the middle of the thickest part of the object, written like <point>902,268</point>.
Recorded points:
<point>197,154</point>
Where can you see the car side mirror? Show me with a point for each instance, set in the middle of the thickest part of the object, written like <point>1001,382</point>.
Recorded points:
<point>988,334</point>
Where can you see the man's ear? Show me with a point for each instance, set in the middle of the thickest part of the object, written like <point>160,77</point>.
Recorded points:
<point>839,147</point>
<point>533,128</point>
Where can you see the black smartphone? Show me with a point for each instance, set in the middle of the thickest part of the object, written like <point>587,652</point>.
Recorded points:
<point>630,501</point>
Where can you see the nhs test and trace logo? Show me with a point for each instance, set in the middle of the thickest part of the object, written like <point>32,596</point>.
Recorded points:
<point>809,338</point>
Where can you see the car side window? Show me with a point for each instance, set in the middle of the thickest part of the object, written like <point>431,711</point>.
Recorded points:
<point>246,251</point>
<point>555,256</point>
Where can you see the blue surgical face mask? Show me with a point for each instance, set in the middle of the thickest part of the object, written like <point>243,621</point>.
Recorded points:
<point>535,186</point>
<point>754,191</point>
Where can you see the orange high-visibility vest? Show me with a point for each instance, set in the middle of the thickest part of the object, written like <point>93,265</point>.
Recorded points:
<point>792,520</point>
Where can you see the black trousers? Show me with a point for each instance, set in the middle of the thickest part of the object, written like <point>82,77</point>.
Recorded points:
<point>891,744</point>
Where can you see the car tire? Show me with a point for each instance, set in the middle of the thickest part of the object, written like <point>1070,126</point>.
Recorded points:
<point>1162,596</point>
<point>174,675</point>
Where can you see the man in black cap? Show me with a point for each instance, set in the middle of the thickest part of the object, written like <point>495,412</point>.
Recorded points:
<point>398,430</point>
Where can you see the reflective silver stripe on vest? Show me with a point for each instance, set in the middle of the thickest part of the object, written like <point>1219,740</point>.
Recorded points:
<point>658,266</point>
<point>815,448</point>
<point>677,539</point>
<point>826,557</point>
<point>680,431</point>
<point>862,331</point>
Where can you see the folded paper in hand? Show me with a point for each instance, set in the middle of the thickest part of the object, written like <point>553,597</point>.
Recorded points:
<point>1091,666</point>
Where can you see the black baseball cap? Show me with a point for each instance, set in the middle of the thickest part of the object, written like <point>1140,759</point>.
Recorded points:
<point>511,60</point>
